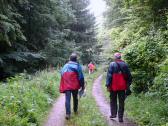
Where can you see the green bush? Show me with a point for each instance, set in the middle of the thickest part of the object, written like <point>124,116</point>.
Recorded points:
<point>144,57</point>
<point>160,87</point>
<point>25,99</point>
<point>140,81</point>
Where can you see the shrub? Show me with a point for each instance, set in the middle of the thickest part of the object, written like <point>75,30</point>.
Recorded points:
<point>143,57</point>
<point>160,87</point>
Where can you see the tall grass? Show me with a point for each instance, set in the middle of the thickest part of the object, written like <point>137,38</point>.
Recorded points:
<point>147,111</point>
<point>25,99</point>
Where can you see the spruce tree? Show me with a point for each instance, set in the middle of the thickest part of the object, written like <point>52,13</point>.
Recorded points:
<point>83,30</point>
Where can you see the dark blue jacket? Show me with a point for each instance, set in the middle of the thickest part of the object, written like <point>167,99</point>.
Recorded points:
<point>115,68</point>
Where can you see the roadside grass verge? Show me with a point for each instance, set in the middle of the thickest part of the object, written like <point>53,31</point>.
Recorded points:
<point>144,110</point>
<point>147,111</point>
<point>25,99</point>
<point>89,114</point>
<point>106,93</point>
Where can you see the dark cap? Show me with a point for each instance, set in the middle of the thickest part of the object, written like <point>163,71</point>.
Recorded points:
<point>73,57</point>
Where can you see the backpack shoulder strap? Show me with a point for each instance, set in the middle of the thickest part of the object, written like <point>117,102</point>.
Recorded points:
<point>125,77</point>
<point>119,67</point>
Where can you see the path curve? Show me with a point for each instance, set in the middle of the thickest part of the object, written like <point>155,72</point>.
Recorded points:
<point>57,115</point>
<point>104,106</point>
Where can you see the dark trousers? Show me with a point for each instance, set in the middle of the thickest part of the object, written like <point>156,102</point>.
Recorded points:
<point>113,103</point>
<point>68,101</point>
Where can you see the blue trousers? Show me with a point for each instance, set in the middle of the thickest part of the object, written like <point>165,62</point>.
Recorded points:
<point>68,101</point>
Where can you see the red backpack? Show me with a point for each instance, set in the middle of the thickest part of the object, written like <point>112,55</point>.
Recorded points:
<point>119,81</point>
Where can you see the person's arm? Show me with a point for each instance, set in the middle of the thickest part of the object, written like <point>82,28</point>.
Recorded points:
<point>81,77</point>
<point>129,76</point>
<point>129,81</point>
<point>109,76</point>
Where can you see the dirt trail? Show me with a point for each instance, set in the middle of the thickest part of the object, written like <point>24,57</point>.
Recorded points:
<point>57,114</point>
<point>104,105</point>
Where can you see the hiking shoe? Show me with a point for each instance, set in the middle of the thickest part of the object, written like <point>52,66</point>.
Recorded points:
<point>111,117</point>
<point>67,117</point>
<point>120,120</point>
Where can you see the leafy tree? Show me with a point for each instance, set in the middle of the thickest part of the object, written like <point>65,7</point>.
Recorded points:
<point>138,29</point>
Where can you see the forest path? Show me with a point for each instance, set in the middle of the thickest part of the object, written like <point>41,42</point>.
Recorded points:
<point>104,106</point>
<point>57,114</point>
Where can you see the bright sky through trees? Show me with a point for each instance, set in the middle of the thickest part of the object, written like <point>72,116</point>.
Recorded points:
<point>98,7</point>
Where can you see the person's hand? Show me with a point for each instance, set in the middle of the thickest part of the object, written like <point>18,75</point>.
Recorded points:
<point>108,89</point>
<point>83,88</point>
<point>128,92</point>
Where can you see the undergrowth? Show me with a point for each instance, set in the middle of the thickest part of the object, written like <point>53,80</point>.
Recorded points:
<point>25,99</point>
<point>147,111</point>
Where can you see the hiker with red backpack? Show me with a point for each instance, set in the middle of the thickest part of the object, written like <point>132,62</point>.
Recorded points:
<point>118,82</point>
<point>72,80</point>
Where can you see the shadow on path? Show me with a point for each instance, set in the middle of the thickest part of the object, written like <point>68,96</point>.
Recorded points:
<point>104,106</point>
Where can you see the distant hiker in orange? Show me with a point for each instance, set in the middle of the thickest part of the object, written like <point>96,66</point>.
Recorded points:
<point>117,82</point>
<point>72,80</point>
<point>91,67</point>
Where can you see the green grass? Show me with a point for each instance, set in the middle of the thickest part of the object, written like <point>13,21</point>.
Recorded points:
<point>147,111</point>
<point>89,114</point>
<point>25,99</point>
<point>106,93</point>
